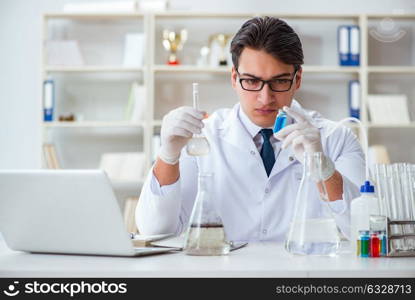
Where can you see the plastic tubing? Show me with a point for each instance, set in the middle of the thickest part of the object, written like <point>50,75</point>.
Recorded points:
<point>364,135</point>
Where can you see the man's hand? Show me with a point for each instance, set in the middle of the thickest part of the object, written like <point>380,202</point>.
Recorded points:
<point>304,136</point>
<point>177,128</point>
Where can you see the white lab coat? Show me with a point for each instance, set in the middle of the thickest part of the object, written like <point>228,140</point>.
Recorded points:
<point>253,207</point>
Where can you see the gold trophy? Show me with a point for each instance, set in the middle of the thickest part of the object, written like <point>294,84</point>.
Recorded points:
<point>173,42</point>
<point>221,40</point>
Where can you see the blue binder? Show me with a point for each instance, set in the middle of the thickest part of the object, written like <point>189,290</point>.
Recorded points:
<point>348,45</point>
<point>354,98</point>
<point>48,99</point>
<point>343,45</point>
<point>354,45</point>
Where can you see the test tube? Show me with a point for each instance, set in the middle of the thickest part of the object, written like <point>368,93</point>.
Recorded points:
<point>383,243</point>
<point>280,121</point>
<point>380,192</point>
<point>364,243</point>
<point>383,190</point>
<point>397,177</point>
<point>195,95</point>
<point>359,242</point>
<point>374,244</point>
<point>411,191</point>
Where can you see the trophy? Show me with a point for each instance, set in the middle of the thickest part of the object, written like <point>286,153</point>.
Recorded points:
<point>220,40</point>
<point>173,42</point>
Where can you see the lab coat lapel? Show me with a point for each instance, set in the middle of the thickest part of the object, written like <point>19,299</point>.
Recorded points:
<point>285,159</point>
<point>232,131</point>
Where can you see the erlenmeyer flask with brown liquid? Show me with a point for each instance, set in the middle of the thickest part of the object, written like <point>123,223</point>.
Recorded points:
<point>206,234</point>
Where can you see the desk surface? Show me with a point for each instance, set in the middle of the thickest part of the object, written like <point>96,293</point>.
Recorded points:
<point>254,260</point>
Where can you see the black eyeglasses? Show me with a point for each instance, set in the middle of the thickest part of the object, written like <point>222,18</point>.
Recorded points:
<point>276,85</point>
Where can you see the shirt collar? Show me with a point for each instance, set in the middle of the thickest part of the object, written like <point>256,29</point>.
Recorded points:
<point>251,127</point>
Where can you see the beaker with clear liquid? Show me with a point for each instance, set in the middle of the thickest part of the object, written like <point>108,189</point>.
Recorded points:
<point>313,230</point>
<point>206,234</point>
<point>198,145</point>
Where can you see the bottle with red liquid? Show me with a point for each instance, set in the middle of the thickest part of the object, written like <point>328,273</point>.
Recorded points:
<point>374,244</point>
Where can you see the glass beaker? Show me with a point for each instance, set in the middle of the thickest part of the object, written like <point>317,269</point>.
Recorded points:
<point>313,230</point>
<point>206,234</point>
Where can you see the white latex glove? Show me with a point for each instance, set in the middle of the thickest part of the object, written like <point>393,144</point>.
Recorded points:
<point>304,137</point>
<point>177,128</point>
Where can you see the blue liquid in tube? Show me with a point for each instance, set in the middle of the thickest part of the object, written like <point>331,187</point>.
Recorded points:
<point>280,121</point>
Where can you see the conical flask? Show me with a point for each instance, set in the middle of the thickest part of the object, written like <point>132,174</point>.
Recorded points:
<point>313,230</point>
<point>205,235</point>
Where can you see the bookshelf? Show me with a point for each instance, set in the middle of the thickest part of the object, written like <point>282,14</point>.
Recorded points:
<point>78,124</point>
<point>91,69</point>
<point>170,86</point>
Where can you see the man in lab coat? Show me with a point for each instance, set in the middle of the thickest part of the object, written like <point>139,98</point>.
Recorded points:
<point>256,173</point>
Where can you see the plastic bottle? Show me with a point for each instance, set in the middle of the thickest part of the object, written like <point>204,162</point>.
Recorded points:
<point>361,209</point>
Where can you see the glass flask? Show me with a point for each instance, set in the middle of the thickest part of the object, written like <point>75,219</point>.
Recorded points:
<point>206,234</point>
<point>313,230</point>
<point>198,144</point>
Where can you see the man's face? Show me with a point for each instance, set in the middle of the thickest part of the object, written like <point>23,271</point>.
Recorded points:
<point>262,106</point>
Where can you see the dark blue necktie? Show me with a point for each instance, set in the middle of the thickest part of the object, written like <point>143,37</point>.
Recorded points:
<point>267,152</point>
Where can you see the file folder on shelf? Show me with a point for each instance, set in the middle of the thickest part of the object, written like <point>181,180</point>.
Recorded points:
<point>354,98</point>
<point>354,44</point>
<point>348,44</point>
<point>343,45</point>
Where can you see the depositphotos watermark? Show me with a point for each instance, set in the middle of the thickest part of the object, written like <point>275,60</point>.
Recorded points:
<point>70,289</point>
<point>387,31</point>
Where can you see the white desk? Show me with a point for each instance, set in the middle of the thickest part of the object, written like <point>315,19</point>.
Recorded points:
<point>254,260</point>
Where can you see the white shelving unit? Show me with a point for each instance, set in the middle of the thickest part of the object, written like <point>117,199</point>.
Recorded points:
<point>91,69</point>
<point>80,124</point>
<point>119,132</point>
<point>156,74</point>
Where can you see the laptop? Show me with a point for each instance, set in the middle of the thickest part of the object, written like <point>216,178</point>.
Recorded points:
<point>66,212</point>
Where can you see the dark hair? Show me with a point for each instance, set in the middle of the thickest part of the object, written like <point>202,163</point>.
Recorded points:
<point>271,34</point>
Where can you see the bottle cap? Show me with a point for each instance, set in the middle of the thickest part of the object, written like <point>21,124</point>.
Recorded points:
<point>367,188</point>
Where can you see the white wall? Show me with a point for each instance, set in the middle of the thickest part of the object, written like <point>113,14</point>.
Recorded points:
<point>20,44</point>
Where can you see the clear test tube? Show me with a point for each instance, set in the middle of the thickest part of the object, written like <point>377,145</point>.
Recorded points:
<point>379,179</point>
<point>386,189</point>
<point>398,194</point>
<point>391,192</point>
<point>390,200</point>
<point>405,192</point>
<point>409,202</point>
<point>411,183</point>
<point>401,199</point>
